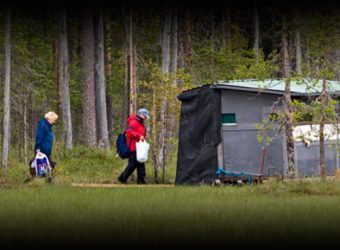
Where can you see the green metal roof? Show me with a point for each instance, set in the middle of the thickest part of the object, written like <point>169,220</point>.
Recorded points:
<point>277,86</point>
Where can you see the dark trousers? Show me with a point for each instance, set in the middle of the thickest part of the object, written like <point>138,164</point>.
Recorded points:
<point>132,165</point>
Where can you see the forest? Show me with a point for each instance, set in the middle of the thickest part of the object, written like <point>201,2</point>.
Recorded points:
<point>96,62</point>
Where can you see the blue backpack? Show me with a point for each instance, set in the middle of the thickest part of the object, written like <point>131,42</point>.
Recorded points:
<point>123,149</point>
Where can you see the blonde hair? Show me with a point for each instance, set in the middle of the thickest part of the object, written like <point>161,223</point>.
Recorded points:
<point>51,116</point>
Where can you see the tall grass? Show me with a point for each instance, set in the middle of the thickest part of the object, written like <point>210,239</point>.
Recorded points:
<point>267,214</point>
<point>272,214</point>
<point>83,165</point>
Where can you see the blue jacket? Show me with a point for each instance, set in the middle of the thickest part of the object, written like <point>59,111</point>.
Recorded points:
<point>44,137</point>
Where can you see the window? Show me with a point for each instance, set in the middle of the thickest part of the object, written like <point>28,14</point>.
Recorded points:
<point>228,119</point>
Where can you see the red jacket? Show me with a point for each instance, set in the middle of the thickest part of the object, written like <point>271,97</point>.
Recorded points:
<point>134,131</point>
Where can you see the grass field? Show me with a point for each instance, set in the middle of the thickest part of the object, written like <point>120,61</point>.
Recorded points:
<point>270,214</point>
<point>274,214</point>
<point>83,165</point>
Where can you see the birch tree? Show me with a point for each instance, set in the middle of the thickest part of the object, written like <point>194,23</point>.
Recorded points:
<point>126,87</point>
<point>130,82</point>
<point>298,49</point>
<point>6,119</point>
<point>287,101</point>
<point>103,136</point>
<point>164,106</point>
<point>173,68</point>
<point>324,103</point>
<point>186,41</point>
<point>132,65</point>
<point>63,71</point>
<point>226,29</point>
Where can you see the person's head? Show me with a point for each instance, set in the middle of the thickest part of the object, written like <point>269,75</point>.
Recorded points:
<point>143,113</point>
<point>51,117</point>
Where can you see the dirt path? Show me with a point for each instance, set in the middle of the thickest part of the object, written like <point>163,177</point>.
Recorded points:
<point>113,185</point>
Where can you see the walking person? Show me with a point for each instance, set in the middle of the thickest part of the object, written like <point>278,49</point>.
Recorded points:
<point>44,135</point>
<point>135,132</point>
<point>43,144</point>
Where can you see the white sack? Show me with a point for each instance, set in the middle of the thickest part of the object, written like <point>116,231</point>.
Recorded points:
<point>142,149</point>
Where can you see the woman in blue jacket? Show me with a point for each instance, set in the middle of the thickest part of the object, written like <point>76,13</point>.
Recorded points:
<point>44,135</point>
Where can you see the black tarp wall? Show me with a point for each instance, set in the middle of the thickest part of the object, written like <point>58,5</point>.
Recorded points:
<point>199,135</point>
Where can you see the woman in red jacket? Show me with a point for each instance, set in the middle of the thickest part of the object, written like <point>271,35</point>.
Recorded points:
<point>134,133</point>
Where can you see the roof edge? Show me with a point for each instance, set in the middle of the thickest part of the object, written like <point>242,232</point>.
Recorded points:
<point>256,90</point>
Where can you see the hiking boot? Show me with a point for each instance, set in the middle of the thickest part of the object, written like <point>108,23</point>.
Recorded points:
<point>121,180</point>
<point>143,182</point>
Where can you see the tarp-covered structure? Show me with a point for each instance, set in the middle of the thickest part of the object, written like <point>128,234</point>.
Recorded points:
<point>199,134</point>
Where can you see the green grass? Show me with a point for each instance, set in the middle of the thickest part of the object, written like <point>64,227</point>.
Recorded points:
<point>84,165</point>
<point>271,213</point>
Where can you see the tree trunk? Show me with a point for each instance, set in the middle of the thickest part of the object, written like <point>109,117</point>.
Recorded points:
<point>166,41</point>
<point>7,105</point>
<point>58,62</point>
<point>172,106</point>
<point>25,135</point>
<point>228,31</point>
<point>298,45</point>
<point>285,52</point>
<point>126,88</point>
<point>187,41</point>
<point>164,105</point>
<point>103,136</point>
<point>132,66</point>
<point>324,103</point>
<point>322,149</point>
<point>337,56</point>
<point>224,27</point>
<point>162,135</point>
<point>108,45</point>
<point>307,55</point>
<point>180,59</point>
<point>87,65</point>
<point>109,101</point>
<point>180,30</point>
<point>64,78</point>
<point>287,102</point>
<point>298,52</point>
<point>256,32</point>
<point>212,43</point>
<point>174,49</point>
<point>212,30</point>
<point>154,135</point>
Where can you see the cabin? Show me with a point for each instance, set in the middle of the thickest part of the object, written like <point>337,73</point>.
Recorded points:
<point>218,131</point>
